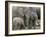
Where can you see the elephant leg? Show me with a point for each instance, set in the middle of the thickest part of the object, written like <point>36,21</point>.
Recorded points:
<point>27,21</point>
<point>30,24</point>
<point>35,21</point>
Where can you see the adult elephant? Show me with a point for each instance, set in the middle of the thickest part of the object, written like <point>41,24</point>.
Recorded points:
<point>18,18</point>
<point>30,17</point>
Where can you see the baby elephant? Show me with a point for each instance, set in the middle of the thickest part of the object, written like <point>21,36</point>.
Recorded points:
<point>18,23</point>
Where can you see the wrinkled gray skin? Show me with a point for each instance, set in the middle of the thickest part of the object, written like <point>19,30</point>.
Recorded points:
<point>30,16</point>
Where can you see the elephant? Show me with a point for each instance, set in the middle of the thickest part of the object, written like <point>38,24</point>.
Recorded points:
<point>18,23</point>
<point>31,17</point>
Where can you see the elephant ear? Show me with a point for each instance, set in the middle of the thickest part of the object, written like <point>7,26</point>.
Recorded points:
<point>20,11</point>
<point>33,15</point>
